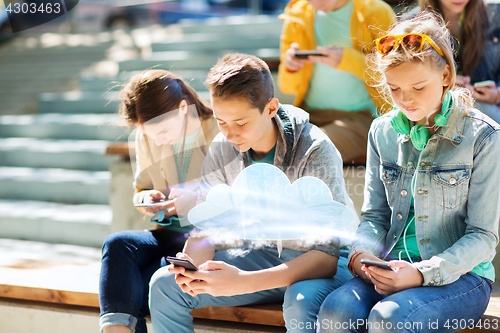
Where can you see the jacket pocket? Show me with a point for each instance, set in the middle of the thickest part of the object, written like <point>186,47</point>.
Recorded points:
<point>390,175</point>
<point>451,186</point>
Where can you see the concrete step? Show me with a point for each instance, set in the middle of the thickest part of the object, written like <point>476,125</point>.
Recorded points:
<point>115,83</point>
<point>55,185</point>
<point>244,25</point>
<point>78,102</point>
<point>213,42</point>
<point>86,225</point>
<point>83,102</point>
<point>64,126</point>
<point>49,153</point>
<point>180,60</point>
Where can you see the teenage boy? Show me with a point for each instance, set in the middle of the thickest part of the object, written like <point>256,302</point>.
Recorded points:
<point>255,128</point>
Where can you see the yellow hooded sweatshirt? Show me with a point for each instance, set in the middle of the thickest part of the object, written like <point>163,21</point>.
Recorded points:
<point>370,20</point>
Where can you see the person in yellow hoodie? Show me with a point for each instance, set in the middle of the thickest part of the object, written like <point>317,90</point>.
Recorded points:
<point>334,88</point>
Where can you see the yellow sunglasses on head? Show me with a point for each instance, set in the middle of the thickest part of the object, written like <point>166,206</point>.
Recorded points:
<point>412,42</point>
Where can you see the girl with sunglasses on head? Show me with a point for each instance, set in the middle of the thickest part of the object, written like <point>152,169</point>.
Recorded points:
<point>174,130</point>
<point>475,27</point>
<point>432,192</point>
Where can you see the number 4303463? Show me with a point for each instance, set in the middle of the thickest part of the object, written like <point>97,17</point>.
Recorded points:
<point>33,8</point>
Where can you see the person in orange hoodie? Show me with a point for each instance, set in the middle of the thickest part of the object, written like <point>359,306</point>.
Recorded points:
<point>333,87</point>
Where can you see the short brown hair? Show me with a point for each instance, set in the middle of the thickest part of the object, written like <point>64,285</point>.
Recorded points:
<point>238,75</point>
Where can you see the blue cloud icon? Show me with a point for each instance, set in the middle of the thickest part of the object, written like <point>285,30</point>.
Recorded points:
<point>263,205</point>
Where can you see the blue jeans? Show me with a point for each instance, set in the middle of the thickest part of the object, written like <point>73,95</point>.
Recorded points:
<point>357,307</point>
<point>170,307</point>
<point>129,259</point>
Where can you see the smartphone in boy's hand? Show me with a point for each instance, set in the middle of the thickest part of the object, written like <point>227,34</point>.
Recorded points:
<point>303,54</point>
<point>182,263</point>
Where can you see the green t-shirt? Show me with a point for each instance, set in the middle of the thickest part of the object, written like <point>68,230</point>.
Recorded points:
<point>184,157</point>
<point>182,161</point>
<point>407,245</point>
<point>269,158</point>
<point>331,88</point>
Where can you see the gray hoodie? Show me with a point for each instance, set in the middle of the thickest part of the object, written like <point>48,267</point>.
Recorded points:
<point>302,149</point>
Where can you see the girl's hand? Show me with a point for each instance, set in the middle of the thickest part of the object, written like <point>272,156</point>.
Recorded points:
<point>184,200</point>
<point>403,276</point>
<point>152,196</point>
<point>292,63</point>
<point>333,55</point>
<point>359,268</point>
<point>462,81</point>
<point>488,95</point>
<point>218,278</point>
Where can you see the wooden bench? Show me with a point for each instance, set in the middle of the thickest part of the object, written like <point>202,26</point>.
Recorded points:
<point>65,276</point>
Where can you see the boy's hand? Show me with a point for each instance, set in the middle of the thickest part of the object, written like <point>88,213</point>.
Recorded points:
<point>180,278</point>
<point>292,63</point>
<point>403,276</point>
<point>217,278</point>
<point>333,56</point>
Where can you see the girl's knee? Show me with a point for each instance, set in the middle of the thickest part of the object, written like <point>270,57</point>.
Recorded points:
<point>333,309</point>
<point>388,317</point>
<point>114,242</point>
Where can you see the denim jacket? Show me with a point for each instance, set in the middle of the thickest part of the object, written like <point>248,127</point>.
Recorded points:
<point>457,195</point>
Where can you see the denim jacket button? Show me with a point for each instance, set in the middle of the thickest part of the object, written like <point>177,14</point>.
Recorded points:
<point>404,193</point>
<point>452,181</point>
<point>399,216</point>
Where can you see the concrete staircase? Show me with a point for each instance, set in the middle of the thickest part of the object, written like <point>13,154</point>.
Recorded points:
<point>54,172</point>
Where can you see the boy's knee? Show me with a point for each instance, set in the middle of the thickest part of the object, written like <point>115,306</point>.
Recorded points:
<point>161,281</point>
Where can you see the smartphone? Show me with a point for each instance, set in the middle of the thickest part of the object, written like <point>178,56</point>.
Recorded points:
<point>380,264</point>
<point>303,54</point>
<point>153,204</point>
<point>486,83</point>
<point>182,263</point>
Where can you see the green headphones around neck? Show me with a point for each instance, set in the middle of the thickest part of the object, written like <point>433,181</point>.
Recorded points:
<point>419,134</point>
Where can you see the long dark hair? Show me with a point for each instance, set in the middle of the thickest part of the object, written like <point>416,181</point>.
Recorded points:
<point>474,30</point>
<point>151,93</point>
